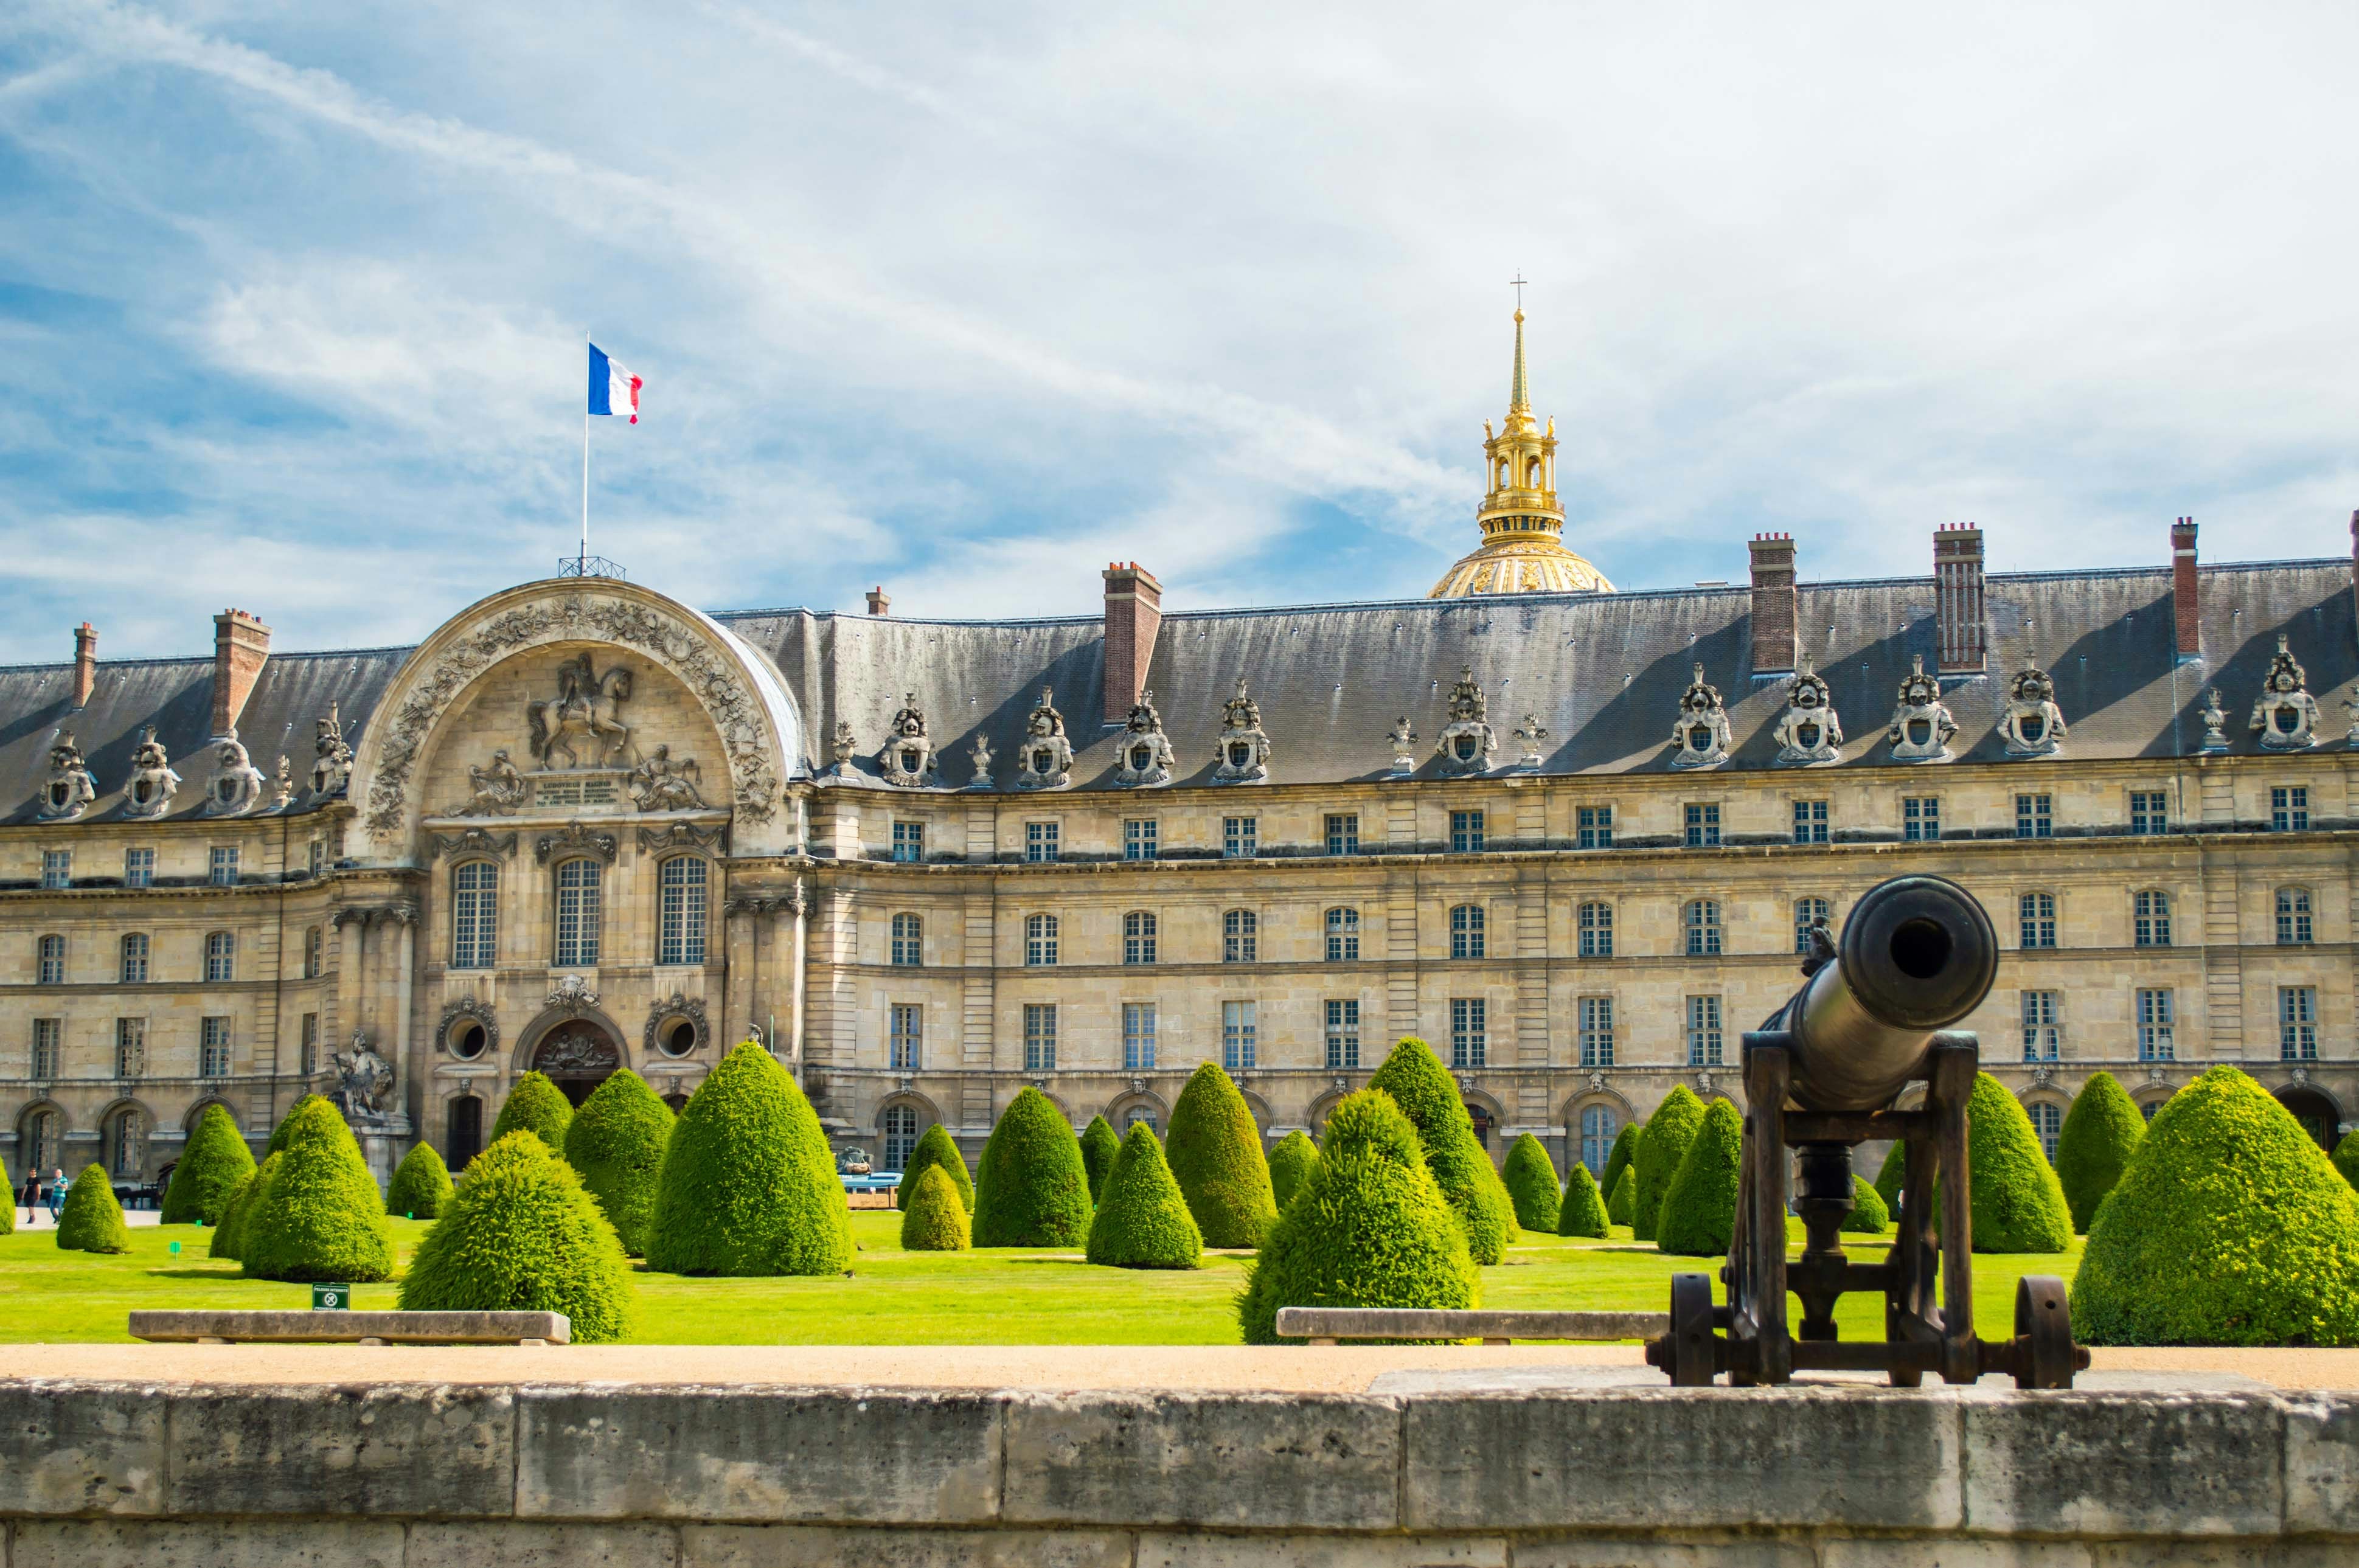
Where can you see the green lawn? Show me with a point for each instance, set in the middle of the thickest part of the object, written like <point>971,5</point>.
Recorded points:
<point>900,1298</point>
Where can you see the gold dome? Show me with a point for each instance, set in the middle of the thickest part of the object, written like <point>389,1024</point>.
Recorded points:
<point>1522,520</point>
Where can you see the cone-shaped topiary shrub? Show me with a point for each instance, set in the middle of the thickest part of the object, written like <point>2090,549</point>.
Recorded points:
<point>1099,1146</point>
<point>1581,1211</point>
<point>1530,1177</point>
<point>278,1134</point>
<point>1661,1147</point>
<point>1868,1215</point>
<point>1290,1164</point>
<point>1143,1220</point>
<point>227,1234</point>
<point>1369,1228</point>
<point>523,1236</point>
<point>1891,1176</point>
<point>1618,1159</point>
<point>1622,1206</point>
<point>8,1221</point>
<point>1030,1187</point>
<point>420,1187</point>
<point>748,1184</point>
<point>2018,1204</point>
<point>1428,1095</point>
<point>537,1107</point>
<point>91,1220</point>
<point>2102,1131</point>
<point>1215,1154</point>
<point>214,1166</point>
<point>2229,1227</point>
<point>616,1143</point>
<point>2346,1158</point>
<point>935,1219</point>
<point>320,1216</point>
<point>936,1147</point>
<point>1699,1211</point>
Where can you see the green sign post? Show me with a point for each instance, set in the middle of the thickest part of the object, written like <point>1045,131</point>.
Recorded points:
<point>332,1298</point>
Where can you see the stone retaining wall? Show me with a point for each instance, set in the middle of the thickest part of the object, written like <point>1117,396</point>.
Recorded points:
<point>406,1475</point>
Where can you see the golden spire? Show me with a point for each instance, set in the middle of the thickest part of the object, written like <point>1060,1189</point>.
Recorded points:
<point>1519,396</point>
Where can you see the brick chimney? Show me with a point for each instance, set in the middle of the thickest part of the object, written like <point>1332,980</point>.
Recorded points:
<point>2186,608</point>
<point>1773,603</point>
<point>880,603</point>
<point>1134,613</point>
<point>1957,598</point>
<point>85,663</point>
<point>241,644</point>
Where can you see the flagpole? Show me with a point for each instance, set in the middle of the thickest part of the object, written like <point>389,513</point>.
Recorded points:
<point>582,564</point>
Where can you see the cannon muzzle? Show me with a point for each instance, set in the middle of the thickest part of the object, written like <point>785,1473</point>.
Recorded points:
<point>1916,955</point>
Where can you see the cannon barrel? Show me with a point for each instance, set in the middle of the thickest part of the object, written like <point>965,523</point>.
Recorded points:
<point>1916,954</point>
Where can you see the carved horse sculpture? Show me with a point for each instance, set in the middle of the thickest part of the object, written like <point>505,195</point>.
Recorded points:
<point>583,708</point>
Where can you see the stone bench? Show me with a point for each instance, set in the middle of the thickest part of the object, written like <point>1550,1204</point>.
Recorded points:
<point>1326,1325</point>
<point>227,1327</point>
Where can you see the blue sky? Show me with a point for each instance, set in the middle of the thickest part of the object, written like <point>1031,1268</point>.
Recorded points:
<point>969,302</point>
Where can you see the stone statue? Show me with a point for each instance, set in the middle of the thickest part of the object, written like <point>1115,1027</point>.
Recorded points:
<point>1243,749</point>
<point>237,784</point>
<point>907,758</point>
<point>331,770</point>
<point>70,788</point>
<point>1147,758</point>
<point>1809,731</point>
<point>499,788</point>
<point>1921,725</point>
<point>981,759</point>
<point>153,781</point>
<point>2286,718</point>
<point>1047,760</point>
<point>585,708</point>
<point>1404,739</point>
<point>660,784</point>
<point>282,784</point>
<point>364,1080</point>
<point>2032,724</point>
<point>1700,731</point>
<point>2215,723</point>
<point>1531,734</point>
<point>843,747</point>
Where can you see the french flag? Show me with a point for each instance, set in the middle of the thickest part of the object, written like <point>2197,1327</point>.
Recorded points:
<point>612,388</point>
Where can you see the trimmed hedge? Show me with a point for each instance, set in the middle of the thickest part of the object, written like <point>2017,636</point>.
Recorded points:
<point>1215,1156</point>
<point>1290,1164</point>
<point>8,1221</point>
<point>747,1186</point>
<point>2102,1131</point>
<point>1031,1189</point>
<point>1699,1211</point>
<point>1371,1227</point>
<point>214,1166</point>
<point>524,1235</point>
<point>91,1220</point>
<point>420,1187</point>
<point>1530,1178</point>
<point>936,1147</point>
<point>1892,1175</point>
<point>537,1107</point>
<point>1581,1211</point>
<point>2229,1227</point>
<point>227,1235</point>
<point>1099,1146</point>
<point>1618,1157</point>
<point>1868,1215</point>
<point>615,1142</point>
<point>2018,1204</point>
<point>1143,1221</point>
<point>1661,1147</point>
<point>2346,1158</point>
<point>1621,1207</point>
<point>320,1216</point>
<point>1429,1097</point>
<point>935,1220</point>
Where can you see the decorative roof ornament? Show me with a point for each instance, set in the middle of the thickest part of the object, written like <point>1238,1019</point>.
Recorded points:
<point>1921,725</point>
<point>844,745</point>
<point>1047,760</point>
<point>572,994</point>
<point>70,788</point>
<point>2286,718</point>
<point>2215,723</point>
<point>1404,741</point>
<point>1243,750</point>
<point>908,759</point>
<point>1809,733</point>
<point>1147,758</point>
<point>332,766</point>
<point>2351,706</point>
<point>980,757</point>
<point>2032,724</point>
<point>282,784</point>
<point>1467,744</point>
<point>1531,734</point>
<point>149,793</point>
<point>1700,731</point>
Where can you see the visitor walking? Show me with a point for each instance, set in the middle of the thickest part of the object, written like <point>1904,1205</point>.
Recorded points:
<point>58,1186</point>
<point>31,1194</point>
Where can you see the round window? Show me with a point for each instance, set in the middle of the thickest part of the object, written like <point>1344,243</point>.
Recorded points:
<point>676,1036</point>
<point>467,1042</point>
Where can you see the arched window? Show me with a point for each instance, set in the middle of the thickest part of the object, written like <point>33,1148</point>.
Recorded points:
<point>134,958</point>
<point>1039,941</point>
<point>51,951</point>
<point>1808,912</point>
<point>909,942</point>
<point>2047,1121</point>
<point>1466,931</point>
<point>2153,923</point>
<point>312,965</point>
<point>1532,474</point>
<point>1702,922</point>
<point>899,1130</point>
<point>40,1140</point>
<point>679,895</point>
<point>1240,936</point>
<point>474,915</point>
<point>579,884</point>
<point>1139,933</point>
<point>2036,915</point>
<point>220,957</point>
<point>462,1137</point>
<point>1599,1128</point>
<point>1342,936</point>
<point>2293,916</point>
<point>1137,1112</point>
<point>1596,931</point>
<point>123,1144</point>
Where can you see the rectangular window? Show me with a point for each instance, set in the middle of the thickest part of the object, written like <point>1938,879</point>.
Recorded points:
<point>1469,1032</point>
<point>1596,931</point>
<point>311,1058</point>
<point>212,1054</point>
<point>138,868</point>
<point>680,924</point>
<point>2154,1021</point>
<point>223,873</point>
<point>2041,1034</point>
<point>1342,1036</point>
<point>130,1047</point>
<point>2293,916</point>
<point>2035,816</point>
<point>1240,937</point>
<point>2147,813</point>
<point>1465,833</point>
<point>1343,834</point>
<point>1808,912</point>
<point>1040,842</point>
<point>1702,825</point>
<point>578,911</point>
<point>908,841</point>
<point>1342,936</point>
<point>1138,840</point>
<point>909,942</point>
<point>474,915</point>
<point>1466,931</point>
<point>1810,822</point>
<point>1039,941</point>
<point>1137,1036</point>
<point>221,958</point>
<point>907,1036</point>
<point>2037,913</point>
<point>51,963</point>
<point>1597,1031</point>
<point>1039,1036</point>
<point>1138,933</point>
<point>134,958</point>
<point>45,1046</point>
<point>2152,924</point>
<point>2289,808</point>
<point>1703,1031</point>
<point>2298,1023</point>
<point>1921,817</point>
<point>319,855</point>
<point>1595,825</point>
<point>1237,1028</point>
<point>57,868</point>
<point>1240,837</point>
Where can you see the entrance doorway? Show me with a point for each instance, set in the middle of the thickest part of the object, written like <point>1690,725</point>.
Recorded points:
<point>2314,1111</point>
<point>577,1056</point>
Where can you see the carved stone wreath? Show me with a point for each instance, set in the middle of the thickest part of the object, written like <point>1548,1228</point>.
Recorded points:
<point>576,839</point>
<point>474,841</point>
<point>735,712</point>
<point>468,1009</point>
<point>680,835</point>
<point>691,1008</point>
